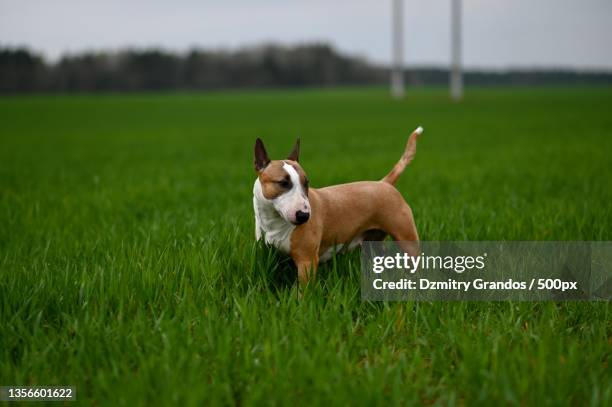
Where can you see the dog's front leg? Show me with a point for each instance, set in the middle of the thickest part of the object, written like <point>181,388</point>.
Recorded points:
<point>305,242</point>
<point>307,269</point>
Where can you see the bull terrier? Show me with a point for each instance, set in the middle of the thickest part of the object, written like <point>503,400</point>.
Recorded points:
<point>311,224</point>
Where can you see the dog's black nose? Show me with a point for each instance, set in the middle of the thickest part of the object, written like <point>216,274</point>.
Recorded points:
<point>301,217</point>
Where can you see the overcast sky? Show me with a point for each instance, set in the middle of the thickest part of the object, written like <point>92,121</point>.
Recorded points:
<point>497,33</point>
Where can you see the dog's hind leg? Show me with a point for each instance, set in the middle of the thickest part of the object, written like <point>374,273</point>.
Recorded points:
<point>403,230</point>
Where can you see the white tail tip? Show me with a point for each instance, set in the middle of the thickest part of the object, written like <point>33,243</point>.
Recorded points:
<point>419,130</point>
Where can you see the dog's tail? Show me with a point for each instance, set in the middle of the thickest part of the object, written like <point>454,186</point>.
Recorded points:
<point>406,158</point>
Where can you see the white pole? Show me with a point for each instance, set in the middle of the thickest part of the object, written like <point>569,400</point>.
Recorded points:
<point>397,69</point>
<point>456,80</point>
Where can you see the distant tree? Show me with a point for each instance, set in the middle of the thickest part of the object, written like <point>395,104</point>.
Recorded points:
<point>21,71</point>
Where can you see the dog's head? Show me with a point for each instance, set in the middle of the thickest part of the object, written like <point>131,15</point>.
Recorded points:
<point>283,183</point>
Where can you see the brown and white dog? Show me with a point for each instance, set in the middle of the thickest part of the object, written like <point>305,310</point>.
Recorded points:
<point>312,224</point>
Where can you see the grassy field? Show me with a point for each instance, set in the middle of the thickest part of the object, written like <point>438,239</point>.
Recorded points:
<point>128,266</point>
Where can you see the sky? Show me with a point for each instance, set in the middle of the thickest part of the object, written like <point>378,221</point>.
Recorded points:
<point>497,34</point>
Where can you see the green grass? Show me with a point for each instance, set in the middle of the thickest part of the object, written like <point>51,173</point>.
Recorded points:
<point>128,266</point>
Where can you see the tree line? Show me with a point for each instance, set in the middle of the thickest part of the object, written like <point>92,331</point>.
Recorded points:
<point>22,71</point>
<point>154,69</point>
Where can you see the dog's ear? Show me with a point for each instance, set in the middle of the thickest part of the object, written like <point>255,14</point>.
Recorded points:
<point>261,157</point>
<point>295,154</point>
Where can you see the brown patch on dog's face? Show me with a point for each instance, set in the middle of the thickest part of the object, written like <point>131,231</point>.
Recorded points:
<point>275,181</point>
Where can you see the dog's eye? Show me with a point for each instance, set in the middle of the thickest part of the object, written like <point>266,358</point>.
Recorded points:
<point>306,183</point>
<point>285,183</point>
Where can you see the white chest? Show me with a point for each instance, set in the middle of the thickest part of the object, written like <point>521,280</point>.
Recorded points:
<point>269,224</point>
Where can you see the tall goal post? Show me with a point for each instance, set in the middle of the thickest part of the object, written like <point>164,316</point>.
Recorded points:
<point>397,48</point>
<point>456,77</point>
